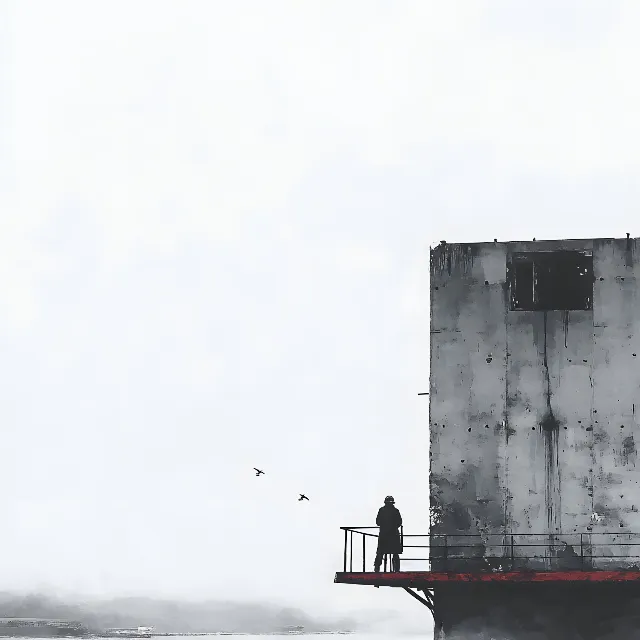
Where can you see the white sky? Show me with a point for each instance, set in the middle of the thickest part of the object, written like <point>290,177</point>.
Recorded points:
<point>214,230</point>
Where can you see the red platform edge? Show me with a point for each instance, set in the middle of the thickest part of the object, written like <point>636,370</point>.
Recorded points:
<point>411,578</point>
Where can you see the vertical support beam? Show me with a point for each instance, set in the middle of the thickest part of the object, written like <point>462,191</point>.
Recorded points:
<point>345,551</point>
<point>351,552</point>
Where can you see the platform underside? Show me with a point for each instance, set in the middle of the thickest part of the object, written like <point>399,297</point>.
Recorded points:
<point>427,579</point>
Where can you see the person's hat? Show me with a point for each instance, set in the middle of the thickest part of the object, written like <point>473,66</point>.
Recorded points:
<point>389,500</point>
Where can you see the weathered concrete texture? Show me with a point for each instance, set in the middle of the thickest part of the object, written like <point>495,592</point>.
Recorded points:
<point>533,413</point>
<point>467,433</point>
<point>537,612</point>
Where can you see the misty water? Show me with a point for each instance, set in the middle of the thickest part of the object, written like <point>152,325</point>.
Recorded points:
<point>427,635</point>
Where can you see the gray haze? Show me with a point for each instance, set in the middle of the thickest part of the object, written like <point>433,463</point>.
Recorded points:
<point>214,230</point>
<point>168,616</point>
<point>204,616</point>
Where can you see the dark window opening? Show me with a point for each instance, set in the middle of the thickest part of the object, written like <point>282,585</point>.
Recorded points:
<point>551,281</point>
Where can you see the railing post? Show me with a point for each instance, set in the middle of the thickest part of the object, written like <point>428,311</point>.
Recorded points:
<point>446,554</point>
<point>364,549</point>
<point>581,553</point>
<point>351,552</point>
<point>401,545</point>
<point>513,561</point>
<point>345,551</point>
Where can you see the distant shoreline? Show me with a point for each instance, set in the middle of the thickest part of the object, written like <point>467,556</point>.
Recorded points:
<point>229,633</point>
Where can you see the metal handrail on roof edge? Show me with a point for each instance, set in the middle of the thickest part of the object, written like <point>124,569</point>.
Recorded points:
<point>561,551</point>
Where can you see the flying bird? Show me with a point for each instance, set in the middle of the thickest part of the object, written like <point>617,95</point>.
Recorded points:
<point>302,497</point>
<point>258,472</point>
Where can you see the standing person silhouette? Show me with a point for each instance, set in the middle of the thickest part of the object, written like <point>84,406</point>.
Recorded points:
<point>389,542</point>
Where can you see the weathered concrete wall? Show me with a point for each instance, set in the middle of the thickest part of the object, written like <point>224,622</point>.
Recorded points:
<point>538,612</point>
<point>533,414</point>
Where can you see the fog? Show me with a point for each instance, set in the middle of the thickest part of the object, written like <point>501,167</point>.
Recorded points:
<point>167,616</point>
<point>215,220</point>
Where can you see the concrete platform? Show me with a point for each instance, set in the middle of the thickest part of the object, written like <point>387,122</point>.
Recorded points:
<point>428,579</point>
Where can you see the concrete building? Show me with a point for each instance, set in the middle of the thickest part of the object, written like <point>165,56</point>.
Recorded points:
<point>534,484</point>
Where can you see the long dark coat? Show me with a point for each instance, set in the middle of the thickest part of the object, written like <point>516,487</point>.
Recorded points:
<point>389,520</point>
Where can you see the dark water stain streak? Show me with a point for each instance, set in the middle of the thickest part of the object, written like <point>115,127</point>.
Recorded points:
<point>550,430</point>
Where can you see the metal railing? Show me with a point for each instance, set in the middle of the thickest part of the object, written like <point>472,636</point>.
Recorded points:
<point>498,552</point>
